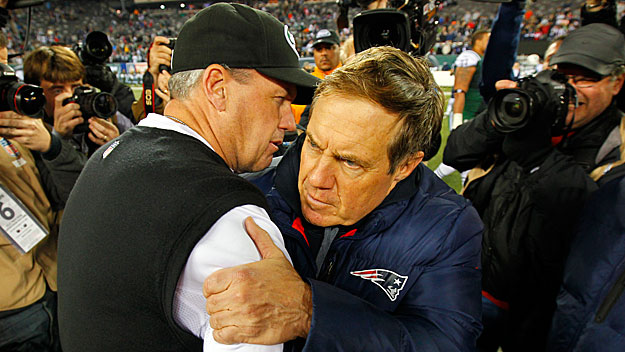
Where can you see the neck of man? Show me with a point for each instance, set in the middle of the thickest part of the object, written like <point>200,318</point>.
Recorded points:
<point>197,118</point>
<point>479,50</point>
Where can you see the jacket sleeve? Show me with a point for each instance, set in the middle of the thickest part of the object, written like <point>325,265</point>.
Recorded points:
<point>502,47</point>
<point>440,312</point>
<point>59,174</point>
<point>471,142</point>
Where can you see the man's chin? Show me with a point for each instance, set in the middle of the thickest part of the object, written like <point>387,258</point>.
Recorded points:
<point>318,218</point>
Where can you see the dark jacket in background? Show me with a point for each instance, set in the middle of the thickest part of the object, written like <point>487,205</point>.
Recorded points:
<point>528,214</point>
<point>591,304</point>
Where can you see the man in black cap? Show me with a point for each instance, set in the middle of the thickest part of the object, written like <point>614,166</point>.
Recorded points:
<point>326,50</point>
<point>160,208</point>
<point>537,184</point>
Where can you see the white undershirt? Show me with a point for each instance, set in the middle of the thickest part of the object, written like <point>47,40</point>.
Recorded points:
<point>225,244</point>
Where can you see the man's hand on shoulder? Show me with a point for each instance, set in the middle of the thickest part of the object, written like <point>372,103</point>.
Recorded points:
<point>264,302</point>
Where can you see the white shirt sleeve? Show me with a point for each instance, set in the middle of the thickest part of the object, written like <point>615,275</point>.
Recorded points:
<point>226,244</point>
<point>467,58</point>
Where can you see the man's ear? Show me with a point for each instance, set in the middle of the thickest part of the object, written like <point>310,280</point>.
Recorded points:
<point>214,84</point>
<point>408,166</point>
<point>618,84</point>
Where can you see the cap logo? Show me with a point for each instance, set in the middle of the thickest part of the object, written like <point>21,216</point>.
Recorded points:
<point>324,33</point>
<point>290,39</point>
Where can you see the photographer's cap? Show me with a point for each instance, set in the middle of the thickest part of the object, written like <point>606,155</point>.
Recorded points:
<point>597,47</point>
<point>242,37</point>
<point>326,36</point>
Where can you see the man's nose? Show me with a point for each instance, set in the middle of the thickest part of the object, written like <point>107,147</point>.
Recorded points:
<point>322,175</point>
<point>287,119</point>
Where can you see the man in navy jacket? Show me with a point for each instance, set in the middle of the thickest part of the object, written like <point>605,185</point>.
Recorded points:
<point>388,253</point>
<point>591,303</point>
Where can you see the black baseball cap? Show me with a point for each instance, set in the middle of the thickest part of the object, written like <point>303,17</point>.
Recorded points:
<point>239,36</point>
<point>597,47</point>
<point>326,36</point>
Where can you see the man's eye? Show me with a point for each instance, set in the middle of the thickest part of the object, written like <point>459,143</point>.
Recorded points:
<point>351,164</point>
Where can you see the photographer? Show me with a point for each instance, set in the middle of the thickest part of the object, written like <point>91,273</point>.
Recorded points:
<point>155,80</point>
<point>531,184</point>
<point>39,170</point>
<point>59,72</point>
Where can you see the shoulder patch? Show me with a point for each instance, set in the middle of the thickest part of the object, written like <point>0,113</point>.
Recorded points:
<point>110,149</point>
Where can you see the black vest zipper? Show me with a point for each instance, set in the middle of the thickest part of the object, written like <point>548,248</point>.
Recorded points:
<point>611,298</point>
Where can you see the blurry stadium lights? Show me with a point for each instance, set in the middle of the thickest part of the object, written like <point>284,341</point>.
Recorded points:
<point>182,5</point>
<point>162,7</point>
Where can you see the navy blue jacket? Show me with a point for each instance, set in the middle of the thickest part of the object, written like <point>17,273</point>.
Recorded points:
<point>404,278</point>
<point>591,303</point>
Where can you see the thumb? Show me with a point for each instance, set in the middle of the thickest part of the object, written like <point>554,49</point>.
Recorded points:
<point>262,240</point>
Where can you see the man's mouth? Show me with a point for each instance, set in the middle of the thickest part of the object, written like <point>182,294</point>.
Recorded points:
<point>275,144</point>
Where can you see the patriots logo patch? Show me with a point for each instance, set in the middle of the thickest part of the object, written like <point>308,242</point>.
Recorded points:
<point>390,282</point>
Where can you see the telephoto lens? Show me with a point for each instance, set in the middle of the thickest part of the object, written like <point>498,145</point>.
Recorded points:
<point>25,99</point>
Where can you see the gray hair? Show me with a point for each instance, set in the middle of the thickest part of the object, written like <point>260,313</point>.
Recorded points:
<point>182,83</point>
<point>618,71</point>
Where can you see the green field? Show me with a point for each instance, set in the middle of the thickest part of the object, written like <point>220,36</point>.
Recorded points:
<point>452,180</point>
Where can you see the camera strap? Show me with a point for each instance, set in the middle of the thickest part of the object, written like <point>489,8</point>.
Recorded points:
<point>148,93</point>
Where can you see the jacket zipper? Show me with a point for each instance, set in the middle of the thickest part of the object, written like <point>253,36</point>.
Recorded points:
<point>611,298</point>
<point>329,268</point>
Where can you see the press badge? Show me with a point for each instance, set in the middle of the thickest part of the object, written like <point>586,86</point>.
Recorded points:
<point>18,223</point>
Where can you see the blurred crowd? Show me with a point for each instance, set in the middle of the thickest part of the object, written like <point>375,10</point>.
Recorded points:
<point>132,31</point>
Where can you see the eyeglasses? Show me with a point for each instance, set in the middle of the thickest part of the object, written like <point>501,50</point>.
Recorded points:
<point>583,81</point>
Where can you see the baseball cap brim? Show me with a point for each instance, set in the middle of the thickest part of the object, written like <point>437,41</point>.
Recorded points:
<point>305,82</point>
<point>324,40</point>
<point>590,63</point>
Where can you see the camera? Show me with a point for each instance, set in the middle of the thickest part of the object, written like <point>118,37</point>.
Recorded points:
<point>25,99</point>
<point>92,103</point>
<point>95,50</point>
<point>93,53</point>
<point>545,95</point>
<point>172,43</point>
<point>409,25</point>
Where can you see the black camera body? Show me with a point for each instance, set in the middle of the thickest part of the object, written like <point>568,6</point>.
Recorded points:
<point>25,99</point>
<point>545,95</point>
<point>92,103</point>
<point>409,25</point>
<point>172,43</point>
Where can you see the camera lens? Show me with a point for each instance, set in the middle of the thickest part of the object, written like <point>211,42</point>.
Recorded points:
<point>104,105</point>
<point>22,98</point>
<point>383,34</point>
<point>381,27</point>
<point>514,106</point>
<point>29,100</point>
<point>510,110</point>
<point>97,48</point>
